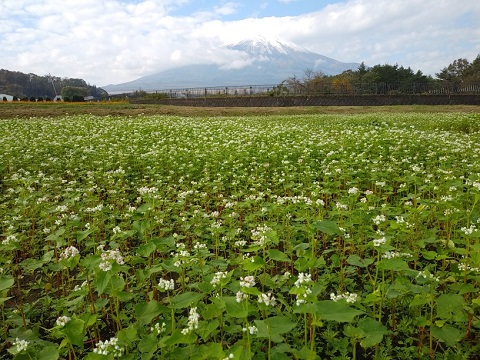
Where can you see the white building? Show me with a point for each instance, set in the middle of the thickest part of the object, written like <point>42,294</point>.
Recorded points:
<point>8,97</point>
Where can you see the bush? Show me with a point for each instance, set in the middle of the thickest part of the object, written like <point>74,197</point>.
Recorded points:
<point>66,99</point>
<point>40,99</point>
<point>25,98</point>
<point>32,98</point>
<point>4,98</point>
<point>78,98</point>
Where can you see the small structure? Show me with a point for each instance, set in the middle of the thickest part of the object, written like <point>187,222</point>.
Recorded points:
<point>58,98</point>
<point>5,96</point>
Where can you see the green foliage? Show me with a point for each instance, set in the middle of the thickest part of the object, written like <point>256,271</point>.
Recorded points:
<point>308,237</point>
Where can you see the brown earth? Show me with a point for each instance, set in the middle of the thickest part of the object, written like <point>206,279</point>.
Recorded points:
<point>45,109</point>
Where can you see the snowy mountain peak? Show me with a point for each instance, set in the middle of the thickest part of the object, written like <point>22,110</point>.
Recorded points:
<point>260,45</point>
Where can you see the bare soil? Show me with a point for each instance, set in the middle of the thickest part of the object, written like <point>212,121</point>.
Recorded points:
<point>10,110</point>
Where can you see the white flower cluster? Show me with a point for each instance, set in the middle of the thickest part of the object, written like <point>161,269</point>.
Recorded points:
<point>379,242</point>
<point>192,321</point>
<point>267,299</point>
<point>470,230</point>
<point>394,254</point>
<point>247,281</point>
<point>158,329</point>
<point>166,285</point>
<point>10,239</point>
<point>20,344</point>
<point>259,235</point>
<point>99,207</point>
<point>62,321</point>
<point>349,297</point>
<point>217,278</point>
<point>377,220</point>
<point>116,230</point>
<point>230,356</point>
<point>109,257</point>
<point>146,190</point>
<point>302,282</point>
<point>182,256</point>
<point>240,296</point>
<point>353,190</point>
<point>465,267</point>
<point>428,276</point>
<point>252,330</point>
<point>341,206</point>
<point>109,347</point>
<point>69,252</point>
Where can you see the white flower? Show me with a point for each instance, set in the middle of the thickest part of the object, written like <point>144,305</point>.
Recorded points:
<point>158,329</point>
<point>252,330</point>
<point>428,276</point>
<point>109,346</point>
<point>303,278</point>
<point>105,266</point>
<point>62,321</point>
<point>341,206</point>
<point>378,242</point>
<point>267,299</point>
<point>166,285</point>
<point>217,278</point>
<point>192,324</point>
<point>20,344</point>
<point>69,252</point>
<point>349,297</point>
<point>353,190</point>
<point>379,219</point>
<point>247,281</point>
<point>240,296</point>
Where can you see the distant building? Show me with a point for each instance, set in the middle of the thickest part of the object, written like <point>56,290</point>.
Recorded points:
<point>8,97</point>
<point>89,98</point>
<point>58,98</point>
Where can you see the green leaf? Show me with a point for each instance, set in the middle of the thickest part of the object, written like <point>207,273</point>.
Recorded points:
<point>6,282</point>
<point>146,312</point>
<point>49,353</point>
<point>278,255</point>
<point>336,311</point>
<point>235,309</point>
<point>148,344</point>
<point>274,327</point>
<point>74,330</point>
<point>358,261</point>
<point>327,227</point>
<point>102,281</point>
<point>447,334</point>
<point>373,330</point>
<point>146,249</point>
<point>178,338</point>
<point>450,307</point>
<point>184,300</point>
<point>394,264</point>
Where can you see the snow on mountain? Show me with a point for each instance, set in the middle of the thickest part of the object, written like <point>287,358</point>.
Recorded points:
<point>256,61</point>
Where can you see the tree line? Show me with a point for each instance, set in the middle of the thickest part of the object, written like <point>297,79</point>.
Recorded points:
<point>34,87</point>
<point>459,76</point>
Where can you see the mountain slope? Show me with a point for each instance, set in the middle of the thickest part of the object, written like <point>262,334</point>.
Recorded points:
<point>262,62</point>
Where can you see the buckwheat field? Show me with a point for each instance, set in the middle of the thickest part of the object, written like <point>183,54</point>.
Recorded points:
<point>257,237</point>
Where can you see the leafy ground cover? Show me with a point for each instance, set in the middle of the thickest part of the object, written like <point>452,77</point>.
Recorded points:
<point>304,237</point>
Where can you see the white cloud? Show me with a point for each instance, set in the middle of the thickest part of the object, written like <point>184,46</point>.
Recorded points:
<point>112,42</point>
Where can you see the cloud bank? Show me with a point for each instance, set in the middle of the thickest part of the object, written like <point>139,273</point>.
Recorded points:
<point>115,41</point>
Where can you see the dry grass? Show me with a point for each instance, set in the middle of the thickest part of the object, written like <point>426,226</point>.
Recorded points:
<point>27,109</point>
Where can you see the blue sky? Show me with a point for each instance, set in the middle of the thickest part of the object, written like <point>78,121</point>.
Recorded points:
<point>247,9</point>
<point>114,41</point>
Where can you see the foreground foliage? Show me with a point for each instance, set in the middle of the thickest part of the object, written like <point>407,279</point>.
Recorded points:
<point>307,237</point>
